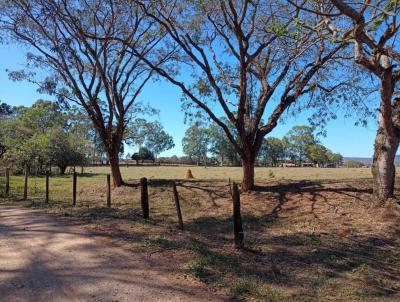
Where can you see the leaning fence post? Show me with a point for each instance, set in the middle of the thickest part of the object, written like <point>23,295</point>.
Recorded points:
<point>47,187</point>
<point>7,181</point>
<point>144,197</point>
<point>177,204</point>
<point>237,218</point>
<point>108,191</point>
<point>26,183</point>
<point>74,180</point>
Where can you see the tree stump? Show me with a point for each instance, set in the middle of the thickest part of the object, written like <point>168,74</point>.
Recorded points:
<point>189,174</point>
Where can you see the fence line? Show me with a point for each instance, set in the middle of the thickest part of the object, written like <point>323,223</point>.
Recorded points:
<point>144,199</point>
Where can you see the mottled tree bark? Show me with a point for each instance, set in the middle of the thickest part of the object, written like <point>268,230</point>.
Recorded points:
<point>248,175</point>
<point>386,142</point>
<point>112,141</point>
<point>383,168</point>
<point>115,171</point>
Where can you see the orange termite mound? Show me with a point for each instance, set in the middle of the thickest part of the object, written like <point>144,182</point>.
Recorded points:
<point>189,174</point>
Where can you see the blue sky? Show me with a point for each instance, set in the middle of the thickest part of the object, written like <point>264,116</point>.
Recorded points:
<point>342,135</point>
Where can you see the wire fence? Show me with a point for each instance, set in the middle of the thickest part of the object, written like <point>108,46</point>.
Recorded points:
<point>92,193</point>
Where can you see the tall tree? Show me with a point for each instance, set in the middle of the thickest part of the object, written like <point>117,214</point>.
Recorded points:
<point>99,74</point>
<point>246,56</point>
<point>373,28</point>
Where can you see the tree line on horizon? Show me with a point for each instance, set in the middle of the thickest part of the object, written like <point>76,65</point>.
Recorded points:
<point>207,145</point>
<point>254,61</point>
<point>45,135</point>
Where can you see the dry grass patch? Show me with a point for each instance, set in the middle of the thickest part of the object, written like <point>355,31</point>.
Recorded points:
<point>306,240</point>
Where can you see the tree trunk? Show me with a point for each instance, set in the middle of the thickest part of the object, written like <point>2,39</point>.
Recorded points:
<point>248,175</point>
<point>115,171</point>
<point>62,169</point>
<point>386,144</point>
<point>383,168</point>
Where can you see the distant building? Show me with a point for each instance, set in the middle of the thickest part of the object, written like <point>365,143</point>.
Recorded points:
<point>288,165</point>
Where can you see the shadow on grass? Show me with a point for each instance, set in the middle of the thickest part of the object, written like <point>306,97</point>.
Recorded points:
<point>311,265</point>
<point>316,190</point>
<point>367,267</point>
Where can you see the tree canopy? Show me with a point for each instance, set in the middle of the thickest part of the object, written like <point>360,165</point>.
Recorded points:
<point>41,136</point>
<point>149,134</point>
<point>243,57</point>
<point>73,41</point>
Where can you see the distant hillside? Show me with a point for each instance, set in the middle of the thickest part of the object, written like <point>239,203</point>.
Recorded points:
<point>368,160</point>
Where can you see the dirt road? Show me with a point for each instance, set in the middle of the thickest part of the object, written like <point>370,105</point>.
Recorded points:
<point>45,259</point>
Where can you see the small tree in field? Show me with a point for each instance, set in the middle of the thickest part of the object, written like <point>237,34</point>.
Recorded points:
<point>300,138</point>
<point>63,150</point>
<point>272,151</point>
<point>195,143</point>
<point>220,145</point>
<point>142,155</point>
<point>318,154</point>
<point>150,134</point>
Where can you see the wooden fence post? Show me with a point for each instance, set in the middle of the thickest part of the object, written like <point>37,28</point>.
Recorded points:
<point>177,204</point>
<point>47,187</point>
<point>144,197</point>
<point>26,183</point>
<point>237,218</point>
<point>7,181</point>
<point>108,191</point>
<point>74,180</point>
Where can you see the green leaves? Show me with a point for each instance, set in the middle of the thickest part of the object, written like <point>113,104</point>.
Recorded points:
<point>39,136</point>
<point>151,134</point>
<point>195,142</point>
<point>278,28</point>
